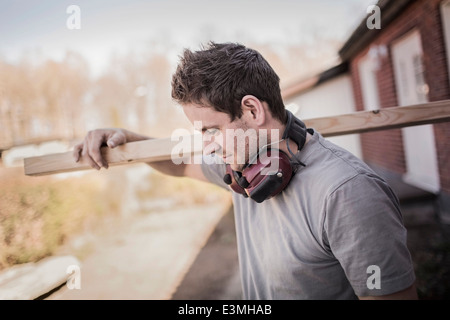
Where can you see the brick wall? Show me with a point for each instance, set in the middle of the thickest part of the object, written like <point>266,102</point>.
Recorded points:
<point>385,149</point>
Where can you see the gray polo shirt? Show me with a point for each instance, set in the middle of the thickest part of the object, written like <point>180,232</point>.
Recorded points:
<point>336,232</point>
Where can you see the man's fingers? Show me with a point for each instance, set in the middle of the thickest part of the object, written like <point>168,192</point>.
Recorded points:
<point>76,152</point>
<point>80,152</point>
<point>87,157</point>
<point>95,153</point>
<point>97,157</point>
<point>90,149</point>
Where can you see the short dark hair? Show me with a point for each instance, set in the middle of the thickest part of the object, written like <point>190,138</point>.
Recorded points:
<point>220,75</point>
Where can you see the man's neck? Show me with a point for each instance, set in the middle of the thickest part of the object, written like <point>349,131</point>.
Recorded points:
<point>283,144</point>
<point>292,145</point>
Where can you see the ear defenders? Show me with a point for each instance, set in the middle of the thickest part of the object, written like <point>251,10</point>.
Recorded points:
<point>270,171</point>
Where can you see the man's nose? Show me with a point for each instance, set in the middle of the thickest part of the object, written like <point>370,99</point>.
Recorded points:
<point>211,147</point>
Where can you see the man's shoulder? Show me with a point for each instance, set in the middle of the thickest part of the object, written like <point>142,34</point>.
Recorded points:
<point>331,166</point>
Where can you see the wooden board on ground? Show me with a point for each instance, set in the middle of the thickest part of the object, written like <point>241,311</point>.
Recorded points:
<point>33,280</point>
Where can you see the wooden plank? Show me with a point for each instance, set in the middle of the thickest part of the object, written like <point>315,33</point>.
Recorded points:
<point>383,119</point>
<point>161,149</point>
<point>139,151</point>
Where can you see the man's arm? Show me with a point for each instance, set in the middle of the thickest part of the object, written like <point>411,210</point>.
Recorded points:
<point>364,228</point>
<point>407,294</point>
<point>89,150</point>
<point>179,170</point>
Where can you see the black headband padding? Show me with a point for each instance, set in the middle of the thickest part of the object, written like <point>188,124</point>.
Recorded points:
<point>295,130</point>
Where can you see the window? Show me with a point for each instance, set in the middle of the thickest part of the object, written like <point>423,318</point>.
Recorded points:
<point>368,68</point>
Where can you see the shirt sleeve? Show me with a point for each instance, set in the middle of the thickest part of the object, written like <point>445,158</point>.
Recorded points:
<point>364,230</point>
<point>214,170</point>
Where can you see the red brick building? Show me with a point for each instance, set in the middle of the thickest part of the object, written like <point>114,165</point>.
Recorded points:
<point>405,62</point>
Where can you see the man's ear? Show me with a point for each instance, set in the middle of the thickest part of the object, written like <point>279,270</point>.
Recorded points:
<point>253,110</point>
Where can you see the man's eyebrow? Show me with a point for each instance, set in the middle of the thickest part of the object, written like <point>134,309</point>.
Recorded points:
<point>204,128</point>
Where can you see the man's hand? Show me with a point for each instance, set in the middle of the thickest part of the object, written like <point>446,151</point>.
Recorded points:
<point>89,149</point>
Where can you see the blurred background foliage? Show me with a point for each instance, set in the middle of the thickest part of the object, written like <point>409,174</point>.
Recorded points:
<point>39,215</point>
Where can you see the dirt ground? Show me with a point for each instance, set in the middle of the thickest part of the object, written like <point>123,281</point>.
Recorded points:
<point>214,275</point>
<point>143,258</point>
<point>429,244</point>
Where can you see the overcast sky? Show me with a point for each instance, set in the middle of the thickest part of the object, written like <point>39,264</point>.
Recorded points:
<point>131,25</point>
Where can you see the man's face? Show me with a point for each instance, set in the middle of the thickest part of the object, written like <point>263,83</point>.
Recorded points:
<point>232,141</point>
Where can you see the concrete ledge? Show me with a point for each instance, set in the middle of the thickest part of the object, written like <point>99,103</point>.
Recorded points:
<point>31,280</point>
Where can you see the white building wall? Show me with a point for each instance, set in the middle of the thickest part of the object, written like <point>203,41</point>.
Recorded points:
<point>332,98</point>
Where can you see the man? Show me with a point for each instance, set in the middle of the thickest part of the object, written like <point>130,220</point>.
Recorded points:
<point>318,223</point>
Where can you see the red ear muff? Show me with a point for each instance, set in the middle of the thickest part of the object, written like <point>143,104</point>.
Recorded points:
<point>272,170</point>
<point>264,179</point>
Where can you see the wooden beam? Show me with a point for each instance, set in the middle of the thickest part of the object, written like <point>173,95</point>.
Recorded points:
<point>162,149</point>
<point>139,151</point>
<point>383,119</point>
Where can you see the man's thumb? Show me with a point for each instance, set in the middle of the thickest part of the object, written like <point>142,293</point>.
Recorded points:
<point>116,139</point>
<point>111,143</point>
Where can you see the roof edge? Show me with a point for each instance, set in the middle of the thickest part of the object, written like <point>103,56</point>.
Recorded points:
<point>362,36</point>
<point>311,82</point>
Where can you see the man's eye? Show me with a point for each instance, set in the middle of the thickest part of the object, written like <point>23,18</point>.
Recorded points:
<point>212,132</point>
